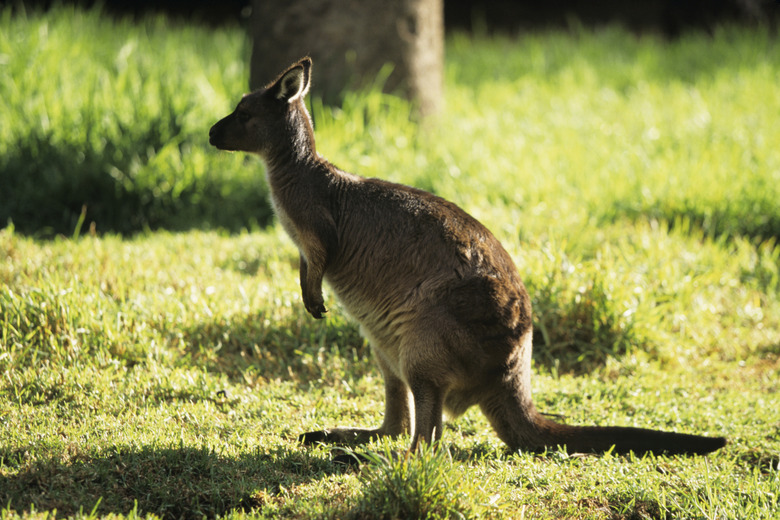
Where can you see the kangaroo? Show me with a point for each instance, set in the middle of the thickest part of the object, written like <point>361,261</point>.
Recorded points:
<point>436,295</point>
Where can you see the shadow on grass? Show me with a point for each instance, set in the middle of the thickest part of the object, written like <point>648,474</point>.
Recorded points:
<point>769,351</point>
<point>578,332</point>
<point>764,460</point>
<point>576,339</point>
<point>296,348</point>
<point>627,507</point>
<point>169,482</point>
<point>49,188</point>
<point>572,335</point>
<point>754,217</point>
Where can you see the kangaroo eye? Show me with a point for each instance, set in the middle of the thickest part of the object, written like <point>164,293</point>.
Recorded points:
<point>243,117</point>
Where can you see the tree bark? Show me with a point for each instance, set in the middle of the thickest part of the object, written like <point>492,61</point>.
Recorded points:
<point>350,41</point>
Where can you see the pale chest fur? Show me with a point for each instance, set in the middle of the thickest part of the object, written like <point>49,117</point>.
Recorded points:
<point>284,218</point>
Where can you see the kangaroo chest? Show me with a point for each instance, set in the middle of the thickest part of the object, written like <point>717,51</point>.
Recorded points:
<point>285,220</point>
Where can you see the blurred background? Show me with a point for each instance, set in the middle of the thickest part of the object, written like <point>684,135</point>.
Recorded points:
<point>105,105</point>
<point>668,16</point>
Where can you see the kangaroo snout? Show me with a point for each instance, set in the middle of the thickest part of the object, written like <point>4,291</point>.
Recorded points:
<point>214,135</point>
<point>227,134</point>
<point>232,133</point>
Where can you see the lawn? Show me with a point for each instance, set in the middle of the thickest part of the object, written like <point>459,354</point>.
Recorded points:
<point>155,356</point>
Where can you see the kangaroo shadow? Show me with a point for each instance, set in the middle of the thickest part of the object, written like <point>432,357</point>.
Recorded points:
<point>181,482</point>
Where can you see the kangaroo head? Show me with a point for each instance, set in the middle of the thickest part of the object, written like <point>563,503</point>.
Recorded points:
<point>266,117</point>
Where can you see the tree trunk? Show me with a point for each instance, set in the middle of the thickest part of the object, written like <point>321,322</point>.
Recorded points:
<point>350,41</point>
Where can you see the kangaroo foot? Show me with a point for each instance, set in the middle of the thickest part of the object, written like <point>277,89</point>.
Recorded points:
<point>339,436</point>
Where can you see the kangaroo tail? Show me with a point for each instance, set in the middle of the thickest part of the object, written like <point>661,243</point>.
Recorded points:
<point>519,424</point>
<point>522,427</point>
<point>624,439</point>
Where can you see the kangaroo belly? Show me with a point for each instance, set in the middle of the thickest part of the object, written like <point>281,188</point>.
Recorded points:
<point>384,316</point>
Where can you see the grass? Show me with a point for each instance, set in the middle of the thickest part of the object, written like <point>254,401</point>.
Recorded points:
<point>167,374</point>
<point>118,134</point>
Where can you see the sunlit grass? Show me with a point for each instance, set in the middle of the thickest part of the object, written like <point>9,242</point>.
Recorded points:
<point>590,128</point>
<point>110,119</point>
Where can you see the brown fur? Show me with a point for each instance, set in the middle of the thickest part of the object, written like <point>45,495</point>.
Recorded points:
<point>437,296</point>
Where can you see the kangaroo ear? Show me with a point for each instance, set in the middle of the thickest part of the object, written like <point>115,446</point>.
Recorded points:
<point>294,83</point>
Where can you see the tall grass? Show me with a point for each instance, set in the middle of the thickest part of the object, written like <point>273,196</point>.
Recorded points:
<point>106,118</point>
<point>588,128</point>
<point>593,128</point>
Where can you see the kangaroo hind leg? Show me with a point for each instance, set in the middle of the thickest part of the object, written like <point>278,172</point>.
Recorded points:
<point>428,411</point>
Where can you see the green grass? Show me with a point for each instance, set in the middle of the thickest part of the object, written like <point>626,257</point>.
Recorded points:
<point>111,119</point>
<point>168,374</point>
